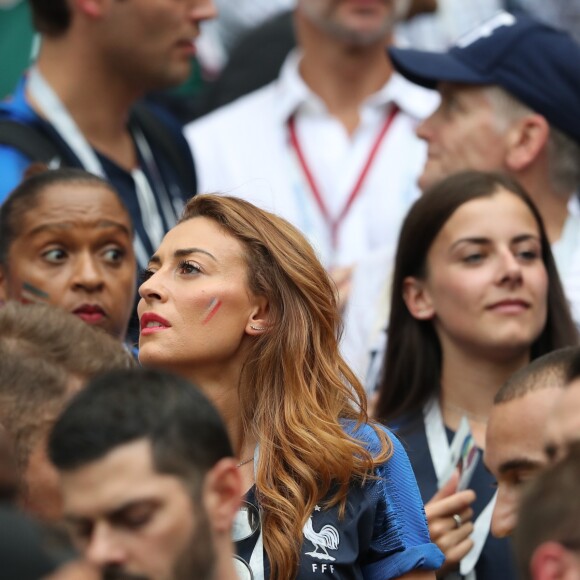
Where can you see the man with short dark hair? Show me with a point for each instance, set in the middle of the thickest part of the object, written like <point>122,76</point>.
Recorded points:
<point>149,481</point>
<point>46,355</point>
<point>97,58</point>
<point>514,442</point>
<point>547,537</point>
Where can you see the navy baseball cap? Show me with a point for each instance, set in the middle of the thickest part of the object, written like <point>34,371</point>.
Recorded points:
<point>535,63</point>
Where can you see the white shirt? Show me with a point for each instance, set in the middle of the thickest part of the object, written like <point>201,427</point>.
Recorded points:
<point>243,149</point>
<point>567,255</point>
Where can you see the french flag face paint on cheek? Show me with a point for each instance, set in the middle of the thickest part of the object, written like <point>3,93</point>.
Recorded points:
<point>31,294</point>
<point>213,307</point>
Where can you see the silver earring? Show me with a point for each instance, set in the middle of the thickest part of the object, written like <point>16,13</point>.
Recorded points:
<point>256,327</point>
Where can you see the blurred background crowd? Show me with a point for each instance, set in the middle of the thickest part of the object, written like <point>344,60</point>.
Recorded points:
<point>289,289</point>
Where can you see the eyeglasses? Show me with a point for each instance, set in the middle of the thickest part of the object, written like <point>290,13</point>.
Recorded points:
<point>244,530</point>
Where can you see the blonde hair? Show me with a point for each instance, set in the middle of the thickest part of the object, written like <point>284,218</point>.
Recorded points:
<point>295,388</point>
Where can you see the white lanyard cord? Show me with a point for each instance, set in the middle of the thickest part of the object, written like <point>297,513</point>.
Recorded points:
<point>440,451</point>
<point>257,558</point>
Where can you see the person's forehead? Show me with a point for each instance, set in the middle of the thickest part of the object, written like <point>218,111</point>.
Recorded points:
<point>516,426</point>
<point>125,475</point>
<point>512,218</point>
<point>205,235</point>
<point>70,205</point>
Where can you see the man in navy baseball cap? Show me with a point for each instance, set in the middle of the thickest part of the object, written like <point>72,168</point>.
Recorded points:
<point>502,76</point>
<point>510,101</point>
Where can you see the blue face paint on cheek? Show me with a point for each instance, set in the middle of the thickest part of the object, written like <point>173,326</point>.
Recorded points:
<point>31,293</point>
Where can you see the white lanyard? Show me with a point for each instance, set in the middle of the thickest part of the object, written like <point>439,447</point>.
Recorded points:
<point>257,558</point>
<point>56,113</point>
<point>440,451</point>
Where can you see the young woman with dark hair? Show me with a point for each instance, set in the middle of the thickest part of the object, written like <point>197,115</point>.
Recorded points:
<point>476,296</point>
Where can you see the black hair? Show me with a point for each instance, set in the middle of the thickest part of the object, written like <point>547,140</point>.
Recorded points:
<point>52,17</point>
<point>412,367</point>
<point>25,197</point>
<point>186,433</point>
<point>549,370</point>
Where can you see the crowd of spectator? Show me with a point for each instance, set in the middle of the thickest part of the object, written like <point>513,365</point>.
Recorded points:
<point>289,289</point>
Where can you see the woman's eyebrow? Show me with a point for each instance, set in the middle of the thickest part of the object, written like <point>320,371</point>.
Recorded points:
<point>187,251</point>
<point>482,241</point>
<point>182,253</point>
<point>474,240</point>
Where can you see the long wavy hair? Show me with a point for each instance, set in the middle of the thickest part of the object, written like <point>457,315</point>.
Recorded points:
<point>413,361</point>
<point>294,388</point>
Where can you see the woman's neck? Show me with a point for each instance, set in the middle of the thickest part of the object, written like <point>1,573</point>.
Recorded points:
<point>221,388</point>
<point>469,384</point>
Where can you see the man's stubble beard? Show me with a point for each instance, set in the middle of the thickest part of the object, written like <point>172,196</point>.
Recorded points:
<point>357,38</point>
<point>196,562</point>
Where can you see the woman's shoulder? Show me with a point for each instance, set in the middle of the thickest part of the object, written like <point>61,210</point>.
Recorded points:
<point>400,541</point>
<point>372,435</point>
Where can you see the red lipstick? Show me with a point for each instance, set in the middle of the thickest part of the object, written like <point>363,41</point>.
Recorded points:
<point>90,313</point>
<point>151,323</point>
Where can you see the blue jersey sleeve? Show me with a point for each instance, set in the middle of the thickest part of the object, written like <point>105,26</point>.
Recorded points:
<point>13,164</point>
<point>400,541</point>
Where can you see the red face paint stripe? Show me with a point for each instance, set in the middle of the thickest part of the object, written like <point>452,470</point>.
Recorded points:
<point>214,307</point>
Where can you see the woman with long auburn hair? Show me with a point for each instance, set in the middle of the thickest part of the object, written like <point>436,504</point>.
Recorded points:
<point>236,300</point>
<point>476,296</point>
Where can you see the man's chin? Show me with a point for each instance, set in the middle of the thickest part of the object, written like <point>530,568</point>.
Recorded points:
<point>428,179</point>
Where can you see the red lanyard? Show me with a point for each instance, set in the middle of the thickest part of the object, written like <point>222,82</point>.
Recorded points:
<point>335,224</point>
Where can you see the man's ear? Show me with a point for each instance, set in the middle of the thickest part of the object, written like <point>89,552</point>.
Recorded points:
<point>259,319</point>
<point>526,140</point>
<point>417,298</point>
<point>551,561</point>
<point>222,493</point>
<point>92,9</point>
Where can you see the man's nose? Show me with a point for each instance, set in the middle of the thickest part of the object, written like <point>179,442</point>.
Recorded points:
<point>103,550</point>
<point>504,517</point>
